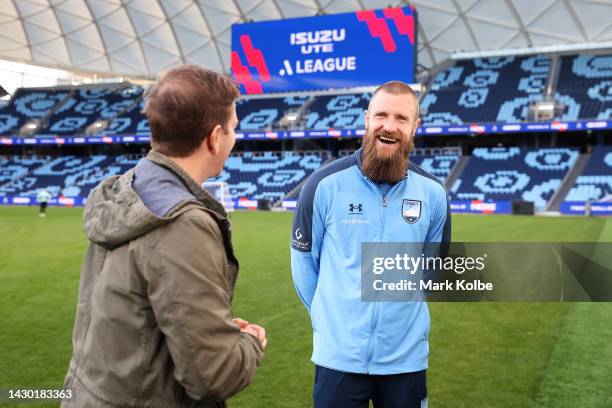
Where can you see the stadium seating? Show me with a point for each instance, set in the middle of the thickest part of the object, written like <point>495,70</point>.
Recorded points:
<point>87,105</point>
<point>438,165</point>
<point>255,114</point>
<point>264,175</point>
<point>337,111</point>
<point>512,173</point>
<point>483,90</point>
<point>470,90</point>
<point>132,121</point>
<point>585,87</point>
<point>264,113</point>
<point>68,176</point>
<point>595,182</point>
<point>268,175</point>
<point>28,104</point>
<point>15,172</point>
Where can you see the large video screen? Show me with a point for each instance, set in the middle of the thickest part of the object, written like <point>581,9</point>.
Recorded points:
<point>363,48</point>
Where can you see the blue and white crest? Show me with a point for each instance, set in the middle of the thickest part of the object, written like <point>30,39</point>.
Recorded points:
<point>411,211</point>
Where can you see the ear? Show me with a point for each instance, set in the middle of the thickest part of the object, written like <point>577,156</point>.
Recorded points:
<point>417,123</point>
<point>366,118</point>
<point>213,141</point>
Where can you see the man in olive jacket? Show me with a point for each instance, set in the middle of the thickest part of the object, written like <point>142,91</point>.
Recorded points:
<point>154,325</point>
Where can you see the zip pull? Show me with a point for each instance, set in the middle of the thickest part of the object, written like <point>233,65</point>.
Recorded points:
<point>384,201</point>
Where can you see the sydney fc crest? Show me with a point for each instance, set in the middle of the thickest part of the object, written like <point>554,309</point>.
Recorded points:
<point>411,211</point>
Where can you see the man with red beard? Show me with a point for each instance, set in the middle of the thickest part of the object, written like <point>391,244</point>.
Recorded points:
<point>367,351</point>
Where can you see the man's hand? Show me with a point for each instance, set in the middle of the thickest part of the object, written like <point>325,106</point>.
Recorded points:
<point>241,322</point>
<point>261,334</point>
<point>253,329</point>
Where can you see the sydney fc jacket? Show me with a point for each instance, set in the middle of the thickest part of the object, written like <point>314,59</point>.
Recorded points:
<point>338,209</point>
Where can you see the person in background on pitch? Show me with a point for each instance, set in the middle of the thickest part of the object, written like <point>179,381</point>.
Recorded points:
<point>43,198</point>
<point>154,325</point>
<point>366,351</point>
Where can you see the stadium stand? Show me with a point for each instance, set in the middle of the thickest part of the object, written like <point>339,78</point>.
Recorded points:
<point>344,111</point>
<point>132,121</point>
<point>254,176</point>
<point>595,182</point>
<point>264,113</point>
<point>27,104</point>
<point>337,111</point>
<point>585,87</point>
<point>438,165</point>
<point>87,105</point>
<point>468,91</point>
<point>68,176</point>
<point>268,175</point>
<point>15,173</point>
<point>511,173</point>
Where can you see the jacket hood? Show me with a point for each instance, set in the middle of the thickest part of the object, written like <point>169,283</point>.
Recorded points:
<point>115,213</point>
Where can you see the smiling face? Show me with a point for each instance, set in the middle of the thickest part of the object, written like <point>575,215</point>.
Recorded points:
<point>391,122</point>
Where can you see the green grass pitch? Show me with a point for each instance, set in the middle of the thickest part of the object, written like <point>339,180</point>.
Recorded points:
<point>482,354</point>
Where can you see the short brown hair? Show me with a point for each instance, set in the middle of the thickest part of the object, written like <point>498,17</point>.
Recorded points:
<point>398,88</point>
<point>184,105</point>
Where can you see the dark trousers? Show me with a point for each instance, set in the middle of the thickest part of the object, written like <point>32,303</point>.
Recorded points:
<point>43,207</point>
<point>337,389</point>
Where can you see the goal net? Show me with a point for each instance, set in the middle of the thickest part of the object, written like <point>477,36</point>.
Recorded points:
<point>220,190</point>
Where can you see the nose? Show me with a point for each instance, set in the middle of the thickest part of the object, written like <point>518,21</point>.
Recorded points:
<point>389,125</point>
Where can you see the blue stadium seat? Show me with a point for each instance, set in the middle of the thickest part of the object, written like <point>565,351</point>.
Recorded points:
<point>470,91</point>
<point>595,182</point>
<point>132,121</point>
<point>27,104</point>
<point>502,173</point>
<point>68,176</point>
<point>439,165</point>
<point>263,113</point>
<point>268,175</point>
<point>15,172</point>
<point>585,87</point>
<point>87,105</point>
<point>338,111</point>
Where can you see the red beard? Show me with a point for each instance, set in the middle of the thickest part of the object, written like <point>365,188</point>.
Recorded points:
<point>385,168</point>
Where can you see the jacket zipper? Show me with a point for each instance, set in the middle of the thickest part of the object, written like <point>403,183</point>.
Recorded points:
<point>371,342</point>
<point>376,306</point>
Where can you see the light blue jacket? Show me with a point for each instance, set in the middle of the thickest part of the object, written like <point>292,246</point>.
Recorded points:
<point>338,209</point>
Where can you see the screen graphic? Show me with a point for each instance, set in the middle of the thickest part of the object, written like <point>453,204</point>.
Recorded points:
<point>364,48</point>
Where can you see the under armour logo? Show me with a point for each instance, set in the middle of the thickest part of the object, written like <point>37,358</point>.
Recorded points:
<point>298,233</point>
<point>355,208</point>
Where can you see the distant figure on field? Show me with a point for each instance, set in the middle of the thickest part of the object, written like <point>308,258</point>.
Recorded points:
<point>43,198</point>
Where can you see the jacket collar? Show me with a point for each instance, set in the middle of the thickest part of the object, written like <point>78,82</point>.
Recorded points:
<point>194,188</point>
<point>358,157</point>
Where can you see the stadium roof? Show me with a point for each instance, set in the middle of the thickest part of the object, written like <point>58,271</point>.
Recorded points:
<point>143,37</point>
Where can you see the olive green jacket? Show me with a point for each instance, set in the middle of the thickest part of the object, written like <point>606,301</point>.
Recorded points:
<point>154,322</point>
